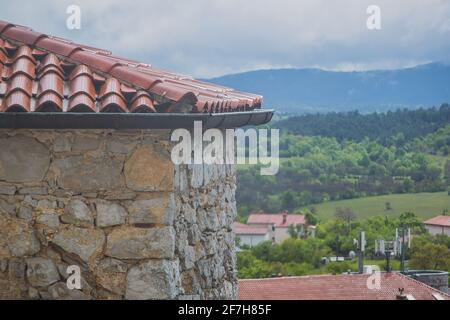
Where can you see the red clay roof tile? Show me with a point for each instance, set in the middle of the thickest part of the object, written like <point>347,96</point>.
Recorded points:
<point>443,221</point>
<point>81,103</point>
<point>35,68</point>
<point>276,219</point>
<point>335,287</point>
<point>141,103</point>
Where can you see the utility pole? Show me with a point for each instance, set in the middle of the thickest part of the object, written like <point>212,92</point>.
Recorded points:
<point>338,247</point>
<point>403,247</point>
<point>361,249</point>
<point>387,253</point>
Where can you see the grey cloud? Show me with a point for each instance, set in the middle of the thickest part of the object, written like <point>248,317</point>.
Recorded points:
<point>213,37</point>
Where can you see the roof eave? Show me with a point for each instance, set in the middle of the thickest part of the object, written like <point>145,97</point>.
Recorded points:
<point>67,120</point>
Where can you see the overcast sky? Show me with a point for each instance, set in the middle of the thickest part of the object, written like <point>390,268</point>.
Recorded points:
<point>207,38</point>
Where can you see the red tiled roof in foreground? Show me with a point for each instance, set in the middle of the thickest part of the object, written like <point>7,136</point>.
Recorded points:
<point>244,229</point>
<point>276,219</point>
<point>39,72</point>
<point>442,221</point>
<point>335,287</point>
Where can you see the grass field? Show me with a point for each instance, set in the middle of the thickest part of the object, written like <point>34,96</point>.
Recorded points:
<point>425,205</point>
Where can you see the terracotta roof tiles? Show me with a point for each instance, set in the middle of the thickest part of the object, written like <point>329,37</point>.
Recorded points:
<point>276,219</point>
<point>244,229</point>
<point>443,221</point>
<point>43,73</point>
<point>335,287</point>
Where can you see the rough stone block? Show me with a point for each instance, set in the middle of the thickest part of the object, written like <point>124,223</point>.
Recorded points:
<point>41,272</point>
<point>78,173</point>
<point>34,191</point>
<point>78,214</point>
<point>7,189</point>
<point>158,211</point>
<point>49,220</point>
<point>110,214</point>
<point>85,143</point>
<point>111,274</point>
<point>136,243</point>
<point>149,169</point>
<point>17,238</point>
<point>59,291</point>
<point>154,279</point>
<point>84,243</point>
<point>23,159</point>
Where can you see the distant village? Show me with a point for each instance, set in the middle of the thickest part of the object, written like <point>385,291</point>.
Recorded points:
<point>368,284</point>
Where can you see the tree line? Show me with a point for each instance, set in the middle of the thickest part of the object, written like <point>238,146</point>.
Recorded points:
<point>319,168</point>
<point>382,127</point>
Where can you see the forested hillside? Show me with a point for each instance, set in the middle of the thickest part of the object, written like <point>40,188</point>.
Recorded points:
<point>387,128</point>
<point>366,155</point>
<point>315,90</point>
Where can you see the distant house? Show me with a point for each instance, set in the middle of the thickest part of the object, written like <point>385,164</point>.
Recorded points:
<point>268,226</point>
<point>250,235</point>
<point>438,225</point>
<point>277,224</point>
<point>392,286</point>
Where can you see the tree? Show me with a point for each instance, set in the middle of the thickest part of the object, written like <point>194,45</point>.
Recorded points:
<point>296,231</point>
<point>388,206</point>
<point>311,219</point>
<point>410,220</point>
<point>428,255</point>
<point>345,214</point>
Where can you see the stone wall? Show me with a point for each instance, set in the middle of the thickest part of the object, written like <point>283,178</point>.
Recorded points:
<point>112,203</point>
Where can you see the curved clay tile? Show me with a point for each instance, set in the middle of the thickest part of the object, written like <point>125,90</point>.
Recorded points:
<point>135,77</point>
<point>16,101</point>
<point>202,104</point>
<point>113,103</point>
<point>24,35</point>
<point>10,47</point>
<point>50,92</point>
<point>111,97</point>
<point>141,103</point>
<point>51,69</point>
<point>57,46</point>
<point>22,65</point>
<point>97,61</point>
<point>81,103</point>
<point>128,90</point>
<point>24,52</point>
<point>50,60</point>
<point>3,52</point>
<point>174,93</point>
<point>81,82</point>
<point>98,78</point>
<point>22,82</point>
<point>111,85</point>
<point>80,70</point>
<point>4,26</point>
<point>49,102</point>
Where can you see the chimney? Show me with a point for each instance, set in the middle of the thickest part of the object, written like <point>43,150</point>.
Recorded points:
<point>401,295</point>
<point>285,214</point>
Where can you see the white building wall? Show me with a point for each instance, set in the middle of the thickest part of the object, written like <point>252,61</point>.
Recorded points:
<point>435,230</point>
<point>281,234</point>
<point>252,240</point>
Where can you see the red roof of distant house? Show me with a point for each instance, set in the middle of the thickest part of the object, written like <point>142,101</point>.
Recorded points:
<point>43,73</point>
<point>442,221</point>
<point>334,287</point>
<point>244,229</point>
<point>276,219</point>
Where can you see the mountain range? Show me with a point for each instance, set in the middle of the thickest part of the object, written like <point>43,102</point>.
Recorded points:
<point>315,90</point>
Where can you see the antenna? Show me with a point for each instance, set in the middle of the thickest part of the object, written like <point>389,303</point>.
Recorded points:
<point>361,248</point>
